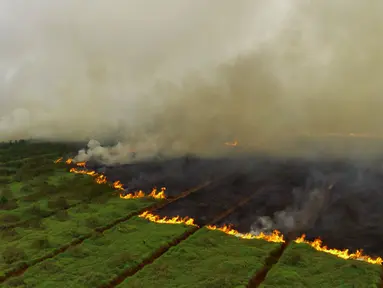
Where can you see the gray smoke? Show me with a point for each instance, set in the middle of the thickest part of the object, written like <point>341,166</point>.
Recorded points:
<point>301,216</point>
<point>186,76</point>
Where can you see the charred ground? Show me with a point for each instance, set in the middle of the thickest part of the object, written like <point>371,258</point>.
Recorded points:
<point>336,200</point>
<point>49,215</point>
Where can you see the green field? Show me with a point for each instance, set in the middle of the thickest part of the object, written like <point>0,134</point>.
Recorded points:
<point>59,229</point>
<point>305,267</point>
<point>206,259</point>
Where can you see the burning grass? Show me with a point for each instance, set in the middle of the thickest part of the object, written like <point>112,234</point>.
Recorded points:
<point>206,259</point>
<point>317,244</point>
<point>101,179</point>
<point>344,254</point>
<point>275,236</point>
<point>99,259</point>
<point>165,220</point>
<point>302,266</point>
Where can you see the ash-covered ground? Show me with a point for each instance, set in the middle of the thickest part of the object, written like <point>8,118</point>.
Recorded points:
<point>339,201</point>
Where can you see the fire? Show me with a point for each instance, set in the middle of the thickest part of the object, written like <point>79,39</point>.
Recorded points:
<point>81,164</point>
<point>275,236</point>
<point>165,220</point>
<point>135,195</point>
<point>99,178</point>
<point>158,195</point>
<point>358,255</point>
<point>69,161</point>
<point>140,194</point>
<point>233,144</point>
<point>118,185</point>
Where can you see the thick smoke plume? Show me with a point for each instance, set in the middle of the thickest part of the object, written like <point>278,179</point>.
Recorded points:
<point>186,76</point>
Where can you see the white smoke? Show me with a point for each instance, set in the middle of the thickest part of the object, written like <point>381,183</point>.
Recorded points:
<point>297,218</point>
<point>185,76</point>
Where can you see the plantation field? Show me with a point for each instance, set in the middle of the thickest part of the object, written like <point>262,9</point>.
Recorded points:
<point>206,259</point>
<point>102,257</point>
<point>305,267</point>
<point>60,229</point>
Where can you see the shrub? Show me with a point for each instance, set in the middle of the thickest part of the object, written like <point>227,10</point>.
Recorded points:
<point>59,203</point>
<point>16,282</point>
<point>92,222</point>
<point>62,215</point>
<point>9,218</point>
<point>13,254</point>
<point>41,243</point>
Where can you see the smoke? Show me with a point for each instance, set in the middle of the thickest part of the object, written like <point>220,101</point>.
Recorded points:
<point>308,206</point>
<point>186,76</point>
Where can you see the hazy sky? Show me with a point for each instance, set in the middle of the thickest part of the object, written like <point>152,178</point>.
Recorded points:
<point>187,74</point>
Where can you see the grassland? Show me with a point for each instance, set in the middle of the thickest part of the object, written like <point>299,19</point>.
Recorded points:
<point>102,257</point>
<point>206,259</point>
<point>302,266</point>
<point>59,229</point>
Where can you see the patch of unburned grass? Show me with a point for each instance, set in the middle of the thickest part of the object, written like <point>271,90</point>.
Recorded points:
<point>58,230</point>
<point>303,266</point>
<point>101,258</point>
<point>40,198</point>
<point>206,259</point>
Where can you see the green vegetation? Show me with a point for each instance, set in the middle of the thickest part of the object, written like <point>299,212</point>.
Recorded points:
<point>69,231</point>
<point>40,214</point>
<point>101,258</point>
<point>206,259</point>
<point>46,235</point>
<point>303,266</point>
<point>22,149</point>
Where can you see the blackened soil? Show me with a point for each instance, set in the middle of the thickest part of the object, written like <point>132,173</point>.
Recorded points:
<point>351,216</point>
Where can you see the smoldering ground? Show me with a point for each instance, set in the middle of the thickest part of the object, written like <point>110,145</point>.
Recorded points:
<point>182,77</point>
<point>336,200</point>
<point>185,76</point>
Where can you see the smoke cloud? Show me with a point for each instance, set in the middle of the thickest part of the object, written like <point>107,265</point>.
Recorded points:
<point>186,76</point>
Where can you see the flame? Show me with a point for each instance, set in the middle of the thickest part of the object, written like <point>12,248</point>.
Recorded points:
<point>158,195</point>
<point>81,164</point>
<point>118,185</point>
<point>233,144</point>
<point>358,255</point>
<point>135,195</point>
<point>99,178</point>
<point>140,194</point>
<point>275,236</point>
<point>165,220</point>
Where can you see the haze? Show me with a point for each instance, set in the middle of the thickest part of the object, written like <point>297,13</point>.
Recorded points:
<point>186,76</point>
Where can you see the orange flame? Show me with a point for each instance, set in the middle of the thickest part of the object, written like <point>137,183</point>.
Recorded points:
<point>358,255</point>
<point>165,220</point>
<point>233,144</point>
<point>140,194</point>
<point>81,164</point>
<point>99,178</point>
<point>276,236</point>
<point>135,195</point>
<point>118,185</point>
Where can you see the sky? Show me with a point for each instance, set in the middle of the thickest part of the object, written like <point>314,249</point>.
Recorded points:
<point>185,76</point>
